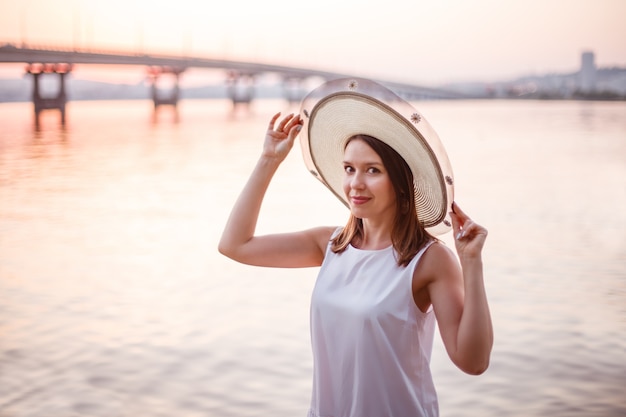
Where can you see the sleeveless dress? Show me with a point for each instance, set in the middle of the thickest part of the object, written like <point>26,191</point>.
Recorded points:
<point>371,343</point>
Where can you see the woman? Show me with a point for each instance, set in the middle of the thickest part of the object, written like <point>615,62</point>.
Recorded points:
<point>383,277</point>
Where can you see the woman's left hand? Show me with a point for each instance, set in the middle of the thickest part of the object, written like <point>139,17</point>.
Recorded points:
<point>469,237</point>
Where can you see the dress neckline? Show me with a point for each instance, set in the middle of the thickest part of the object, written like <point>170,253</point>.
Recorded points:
<point>371,250</point>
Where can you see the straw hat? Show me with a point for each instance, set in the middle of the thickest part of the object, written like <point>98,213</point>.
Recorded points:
<point>342,108</point>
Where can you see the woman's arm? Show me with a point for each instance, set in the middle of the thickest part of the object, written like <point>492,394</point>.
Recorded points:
<point>238,242</point>
<point>459,298</point>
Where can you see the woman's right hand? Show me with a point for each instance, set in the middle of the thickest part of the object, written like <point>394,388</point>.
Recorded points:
<point>279,138</point>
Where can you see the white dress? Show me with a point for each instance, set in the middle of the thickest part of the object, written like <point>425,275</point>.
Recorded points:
<point>371,343</point>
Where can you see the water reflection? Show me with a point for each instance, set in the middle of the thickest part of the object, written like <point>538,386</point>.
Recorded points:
<point>172,112</point>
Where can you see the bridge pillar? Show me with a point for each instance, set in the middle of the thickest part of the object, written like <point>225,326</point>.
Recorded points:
<point>240,87</point>
<point>154,73</point>
<point>56,102</point>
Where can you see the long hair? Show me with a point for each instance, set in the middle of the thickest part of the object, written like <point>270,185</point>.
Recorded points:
<point>408,235</point>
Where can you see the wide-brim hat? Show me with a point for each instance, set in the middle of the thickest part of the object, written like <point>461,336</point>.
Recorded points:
<point>342,108</point>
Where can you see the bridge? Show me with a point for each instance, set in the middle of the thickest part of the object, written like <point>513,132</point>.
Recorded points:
<point>238,74</point>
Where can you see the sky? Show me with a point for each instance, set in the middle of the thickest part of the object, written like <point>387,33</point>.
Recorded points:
<point>424,42</point>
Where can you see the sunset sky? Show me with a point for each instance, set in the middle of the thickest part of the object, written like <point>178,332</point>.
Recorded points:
<point>426,42</point>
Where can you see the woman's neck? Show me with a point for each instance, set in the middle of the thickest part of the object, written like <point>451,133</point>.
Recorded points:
<point>375,236</point>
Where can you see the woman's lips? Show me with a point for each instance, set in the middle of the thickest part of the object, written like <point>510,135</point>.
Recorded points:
<point>357,200</point>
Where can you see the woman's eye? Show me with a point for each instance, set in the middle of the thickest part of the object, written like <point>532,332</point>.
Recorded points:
<point>373,170</point>
<point>348,169</point>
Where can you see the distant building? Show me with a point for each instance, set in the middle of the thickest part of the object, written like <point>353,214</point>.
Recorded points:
<point>587,76</point>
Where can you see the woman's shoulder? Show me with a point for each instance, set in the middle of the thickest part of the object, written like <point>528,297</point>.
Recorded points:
<point>323,234</point>
<point>436,259</point>
<point>439,250</point>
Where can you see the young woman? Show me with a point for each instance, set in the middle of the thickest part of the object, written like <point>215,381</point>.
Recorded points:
<point>383,279</point>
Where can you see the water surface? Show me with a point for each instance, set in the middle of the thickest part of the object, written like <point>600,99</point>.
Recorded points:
<point>115,302</point>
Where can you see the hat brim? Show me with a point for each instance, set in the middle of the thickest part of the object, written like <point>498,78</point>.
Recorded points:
<point>342,108</point>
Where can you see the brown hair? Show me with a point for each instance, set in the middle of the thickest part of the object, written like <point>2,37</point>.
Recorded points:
<point>408,235</point>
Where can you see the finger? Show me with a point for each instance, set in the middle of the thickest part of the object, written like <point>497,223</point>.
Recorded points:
<point>456,223</point>
<point>294,130</point>
<point>468,227</point>
<point>283,123</point>
<point>460,213</point>
<point>462,220</point>
<point>472,230</point>
<point>273,121</point>
<point>464,230</point>
<point>293,122</point>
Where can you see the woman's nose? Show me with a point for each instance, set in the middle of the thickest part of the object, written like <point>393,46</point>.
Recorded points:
<point>357,182</point>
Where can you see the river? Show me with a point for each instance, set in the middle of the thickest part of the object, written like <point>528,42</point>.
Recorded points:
<point>115,302</point>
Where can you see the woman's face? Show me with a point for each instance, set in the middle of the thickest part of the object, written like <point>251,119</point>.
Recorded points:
<point>366,183</point>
